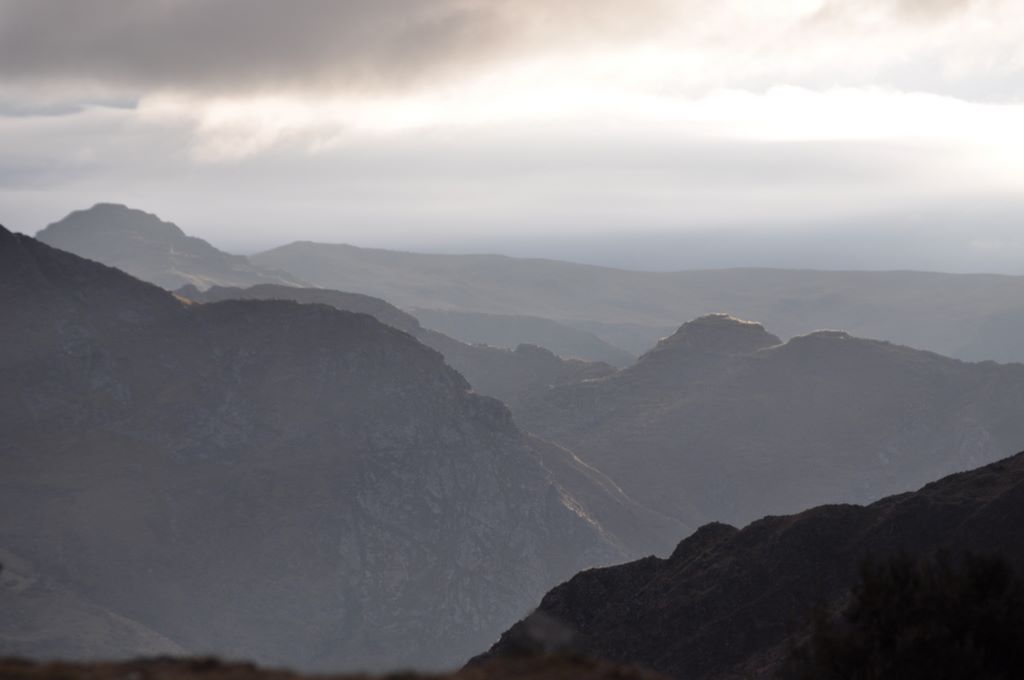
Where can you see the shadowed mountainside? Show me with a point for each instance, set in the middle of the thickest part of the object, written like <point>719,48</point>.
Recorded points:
<point>150,249</point>
<point>508,375</point>
<point>269,480</point>
<point>944,313</point>
<point>726,602</point>
<point>724,422</point>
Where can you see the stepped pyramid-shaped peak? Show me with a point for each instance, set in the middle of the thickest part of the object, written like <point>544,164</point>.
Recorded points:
<point>717,334</point>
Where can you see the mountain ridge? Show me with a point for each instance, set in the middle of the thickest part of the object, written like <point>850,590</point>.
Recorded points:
<point>702,435</point>
<point>152,249</point>
<point>506,374</point>
<point>728,601</point>
<point>958,315</point>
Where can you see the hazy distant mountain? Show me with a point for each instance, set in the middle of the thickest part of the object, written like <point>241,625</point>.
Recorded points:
<point>270,480</point>
<point>509,375</point>
<point>726,602</point>
<point>153,250</point>
<point>945,313</point>
<point>722,421</point>
<point>502,330</point>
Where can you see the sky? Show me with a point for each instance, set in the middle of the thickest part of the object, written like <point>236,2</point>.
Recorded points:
<point>644,133</point>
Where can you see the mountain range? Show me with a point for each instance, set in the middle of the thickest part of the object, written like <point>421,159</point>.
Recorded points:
<point>968,316</point>
<point>506,301</point>
<point>263,479</point>
<point>722,421</point>
<point>257,465</point>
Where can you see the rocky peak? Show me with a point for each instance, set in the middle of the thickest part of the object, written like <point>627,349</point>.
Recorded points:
<point>713,336</point>
<point>153,250</point>
<point>113,218</point>
<point>718,334</point>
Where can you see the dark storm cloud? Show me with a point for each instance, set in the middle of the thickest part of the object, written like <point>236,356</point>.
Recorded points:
<point>247,44</point>
<point>239,43</point>
<point>232,46</point>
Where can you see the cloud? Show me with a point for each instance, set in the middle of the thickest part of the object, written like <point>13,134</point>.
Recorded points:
<point>403,121</point>
<point>218,45</point>
<point>345,46</point>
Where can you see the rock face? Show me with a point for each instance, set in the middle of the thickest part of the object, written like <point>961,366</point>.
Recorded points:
<point>150,249</point>
<point>723,422</point>
<point>726,602</point>
<point>269,480</point>
<point>509,375</point>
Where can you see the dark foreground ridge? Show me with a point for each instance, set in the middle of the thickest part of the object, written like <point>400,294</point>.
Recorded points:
<point>727,602</point>
<point>536,668</point>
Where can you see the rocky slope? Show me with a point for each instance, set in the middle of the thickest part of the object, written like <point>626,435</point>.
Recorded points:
<point>269,480</point>
<point>727,601</point>
<point>510,375</point>
<point>944,313</point>
<point>724,422</point>
<point>150,249</point>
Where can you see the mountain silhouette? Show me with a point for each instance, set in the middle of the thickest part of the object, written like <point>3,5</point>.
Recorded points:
<point>153,250</point>
<point>728,602</point>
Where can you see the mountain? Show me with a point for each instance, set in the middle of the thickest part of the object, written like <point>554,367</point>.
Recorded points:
<point>508,375</point>
<point>153,250</point>
<point>945,313</point>
<point>350,302</point>
<point>502,330</point>
<point>723,421</point>
<point>727,602</point>
<point>283,482</point>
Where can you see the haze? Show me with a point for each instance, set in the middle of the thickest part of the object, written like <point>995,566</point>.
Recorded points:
<point>880,134</point>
